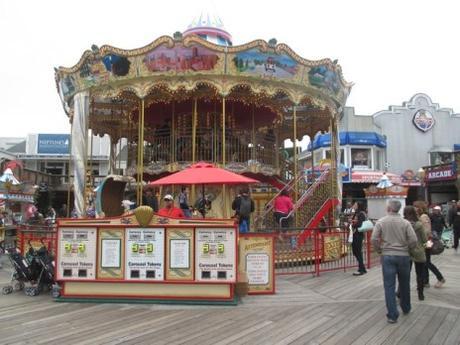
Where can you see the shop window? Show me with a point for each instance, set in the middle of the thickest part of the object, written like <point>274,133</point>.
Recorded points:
<point>317,156</point>
<point>440,158</point>
<point>342,155</point>
<point>361,159</point>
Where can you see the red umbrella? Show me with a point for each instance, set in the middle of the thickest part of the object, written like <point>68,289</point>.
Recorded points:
<point>203,173</point>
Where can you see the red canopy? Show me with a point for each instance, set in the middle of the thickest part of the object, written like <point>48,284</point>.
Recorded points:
<point>203,173</point>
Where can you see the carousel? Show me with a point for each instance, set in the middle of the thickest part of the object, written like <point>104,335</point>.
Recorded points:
<point>195,97</point>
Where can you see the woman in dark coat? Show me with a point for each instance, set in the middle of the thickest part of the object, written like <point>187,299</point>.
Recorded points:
<point>359,216</point>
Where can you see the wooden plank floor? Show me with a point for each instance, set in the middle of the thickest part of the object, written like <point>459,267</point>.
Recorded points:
<point>335,308</point>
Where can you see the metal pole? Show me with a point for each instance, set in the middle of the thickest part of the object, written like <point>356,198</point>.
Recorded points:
<point>141,166</point>
<point>253,139</point>
<point>224,192</point>
<point>194,121</point>
<point>296,187</point>
<point>173,133</point>
<point>223,132</point>
<point>69,188</point>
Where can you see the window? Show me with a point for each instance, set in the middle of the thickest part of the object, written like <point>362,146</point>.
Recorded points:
<point>361,159</point>
<point>342,155</point>
<point>317,156</point>
<point>440,158</point>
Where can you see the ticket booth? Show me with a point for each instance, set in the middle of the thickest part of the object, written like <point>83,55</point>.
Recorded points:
<point>144,257</point>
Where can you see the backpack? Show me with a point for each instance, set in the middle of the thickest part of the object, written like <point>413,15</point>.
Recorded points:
<point>245,207</point>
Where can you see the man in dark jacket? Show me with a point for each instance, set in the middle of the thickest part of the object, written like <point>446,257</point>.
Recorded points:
<point>438,223</point>
<point>456,226</point>
<point>243,206</point>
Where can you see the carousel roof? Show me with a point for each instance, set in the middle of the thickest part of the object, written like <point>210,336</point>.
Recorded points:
<point>181,64</point>
<point>210,27</point>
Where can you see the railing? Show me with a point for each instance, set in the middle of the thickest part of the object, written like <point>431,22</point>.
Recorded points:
<point>326,249</point>
<point>239,148</point>
<point>265,219</point>
<point>312,200</point>
<point>36,236</point>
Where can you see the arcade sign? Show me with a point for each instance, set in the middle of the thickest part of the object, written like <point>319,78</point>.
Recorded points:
<point>442,173</point>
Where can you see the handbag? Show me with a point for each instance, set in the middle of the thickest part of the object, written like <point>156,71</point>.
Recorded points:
<point>367,225</point>
<point>437,246</point>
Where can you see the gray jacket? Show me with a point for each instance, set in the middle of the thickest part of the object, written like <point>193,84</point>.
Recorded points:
<point>393,235</point>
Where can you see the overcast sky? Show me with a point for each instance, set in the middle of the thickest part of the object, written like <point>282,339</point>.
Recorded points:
<point>389,49</point>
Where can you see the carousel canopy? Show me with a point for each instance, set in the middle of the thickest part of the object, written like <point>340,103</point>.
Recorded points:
<point>181,64</point>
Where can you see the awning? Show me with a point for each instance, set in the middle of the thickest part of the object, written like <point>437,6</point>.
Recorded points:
<point>17,197</point>
<point>456,147</point>
<point>441,149</point>
<point>350,138</point>
<point>373,177</point>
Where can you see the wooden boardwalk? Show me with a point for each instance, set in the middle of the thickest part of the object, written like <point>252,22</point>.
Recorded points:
<point>335,308</point>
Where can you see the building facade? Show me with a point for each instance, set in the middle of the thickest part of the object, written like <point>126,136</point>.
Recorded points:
<point>416,143</point>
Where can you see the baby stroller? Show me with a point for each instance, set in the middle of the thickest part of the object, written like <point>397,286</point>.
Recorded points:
<point>36,269</point>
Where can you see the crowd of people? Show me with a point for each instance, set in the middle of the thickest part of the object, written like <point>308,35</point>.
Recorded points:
<point>410,240</point>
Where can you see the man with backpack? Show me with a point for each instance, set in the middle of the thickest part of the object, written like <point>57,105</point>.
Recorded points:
<point>243,206</point>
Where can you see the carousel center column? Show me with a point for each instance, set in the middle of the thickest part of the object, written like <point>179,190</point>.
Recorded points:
<point>80,149</point>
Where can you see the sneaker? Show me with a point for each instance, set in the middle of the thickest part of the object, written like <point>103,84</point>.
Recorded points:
<point>440,283</point>
<point>391,320</point>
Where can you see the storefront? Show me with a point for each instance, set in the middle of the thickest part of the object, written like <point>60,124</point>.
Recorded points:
<point>441,182</point>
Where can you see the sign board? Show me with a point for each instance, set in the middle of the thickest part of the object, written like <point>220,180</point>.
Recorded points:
<point>215,258</point>
<point>332,247</point>
<point>53,144</point>
<point>180,254</point>
<point>145,253</point>
<point>256,260</point>
<point>111,253</point>
<point>77,253</point>
<point>442,173</point>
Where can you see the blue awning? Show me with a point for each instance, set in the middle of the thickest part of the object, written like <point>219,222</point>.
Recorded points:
<point>456,147</point>
<point>350,138</point>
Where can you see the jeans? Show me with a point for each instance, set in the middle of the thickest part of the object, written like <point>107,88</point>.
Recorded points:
<point>430,266</point>
<point>357,248</point>
<point>396,266</point>
<point>187,213</point>
<point>244,225</point>
<point>456,238</point>
<point>420,274</point>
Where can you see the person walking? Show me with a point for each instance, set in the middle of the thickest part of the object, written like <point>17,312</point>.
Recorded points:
<point>243,206</point>
<point>422,211</point>
<point>392,237</point>
<point>282,207</point>
<point>438,223</point>
<point>456,227</point>
<point>359,216</point>
<point>149,199</point>
<point>417,255</point>
<point>183,203</point>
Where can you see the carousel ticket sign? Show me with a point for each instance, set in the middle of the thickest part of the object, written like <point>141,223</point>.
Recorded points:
<point>111,253</point>
<point>145,253</point>
<point>332,247</point>
<point>215,258</point>
<point>256,260</point>
<point>77,253</point>
<point>180,251</point>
